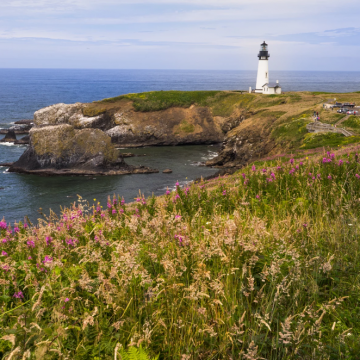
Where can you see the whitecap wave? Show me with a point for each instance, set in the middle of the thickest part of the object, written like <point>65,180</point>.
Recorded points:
<point>8,144</point>
<point>210,155</point>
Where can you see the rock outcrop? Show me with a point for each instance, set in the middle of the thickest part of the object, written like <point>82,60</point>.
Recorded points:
<point>63,150</point>
<point>9,137</point>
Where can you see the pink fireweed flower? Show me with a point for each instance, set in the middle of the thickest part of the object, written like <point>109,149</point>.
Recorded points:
<point>318,176</point>
<point>4,241</point>
<point>4,253</point>
<point>224,192</point>
<point>138,199</point>
<point>48,240</point>
<point>264,170</point>
<point>25,225</point>
<point>167,192</point>
<point>30,243</point>
<point>177,183</point>
<point>253,168</point>
<point>113,211</point>
<point>180,239</point>
<point>310,174</point>
<point>269,179</point>
<point>313,177</point>
<point>47,259</point>
<point>340,162</point>
<point>329,177</point>
<point>291,161</point>
<point>305,225</point>
<point>243,175</point>
<point>177,196</point>
<point>122,201</point>
<point>258,197</point>
<point>6,267</point>
<point>16,229</point>
<point>297,167</point>
<point>278,168</point>
<point>67,299</point>
<point>109,205</point>
<point>357,175</point>
<point>3,225</point>
<point>273,175</point>
<point>301,163</point>
<point>144,202</point>
<point>121,211</point>
<point>18,295</point>
<point>177,216</point>
<point>246,182</point>
<point>71,242</point>
<point>29,258</point>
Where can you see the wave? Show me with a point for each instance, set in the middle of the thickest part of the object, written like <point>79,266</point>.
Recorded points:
<point>210,155</point>
<point>8,144</point>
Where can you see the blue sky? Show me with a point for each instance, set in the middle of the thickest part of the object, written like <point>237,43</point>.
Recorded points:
<point>174,34</point>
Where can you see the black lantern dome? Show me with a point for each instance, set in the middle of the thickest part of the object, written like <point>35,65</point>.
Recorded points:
<point>263,53</point>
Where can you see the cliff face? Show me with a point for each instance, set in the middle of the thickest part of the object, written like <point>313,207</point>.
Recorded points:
<point>82,137</point>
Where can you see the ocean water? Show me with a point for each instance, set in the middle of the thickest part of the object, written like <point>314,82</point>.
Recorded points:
<point>23,91</point>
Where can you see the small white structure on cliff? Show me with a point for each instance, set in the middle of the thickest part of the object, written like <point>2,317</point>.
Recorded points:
<point>263,86</point>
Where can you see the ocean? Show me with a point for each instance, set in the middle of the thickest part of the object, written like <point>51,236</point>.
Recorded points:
<point>23,91</point>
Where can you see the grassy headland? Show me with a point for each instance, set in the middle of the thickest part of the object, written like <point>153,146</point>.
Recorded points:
<point>261,264</point>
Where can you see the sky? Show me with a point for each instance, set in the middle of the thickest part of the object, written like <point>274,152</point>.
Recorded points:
<point>180,34</point>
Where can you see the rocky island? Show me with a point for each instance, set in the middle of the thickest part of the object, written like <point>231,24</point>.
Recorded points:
<point>81,139</point>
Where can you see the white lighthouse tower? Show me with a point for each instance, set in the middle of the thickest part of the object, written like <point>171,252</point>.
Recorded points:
<point>263,85</point>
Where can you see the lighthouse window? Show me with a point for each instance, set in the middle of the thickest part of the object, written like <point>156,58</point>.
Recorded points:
<point>266,75</point>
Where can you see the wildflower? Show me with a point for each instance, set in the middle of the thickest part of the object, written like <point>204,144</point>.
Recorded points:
<point>31,244</point>
<point>258,197</point>
<point>273,175</point>
<point>121,211</point>
<point>167,192</point>
<point>177,216</point>
<point>48,240</point>
<point>25,225</point>
<point>114,211</point>
<point>122,201</point>
<point>253,168</point>
<point>177,196</point>
<point>4,241</point>
<point>340,162</point>
<point>243,175</point>
<point>16,229</point>
<point>102,215</point>
<point>278,168</point>
<point>307,158</point>
<point>4,253</point>
<point>329,177</point>
<point>357,175</point>
<point>94,199</point>
<point>47,259</point>
<point>224,192</point>
<point>291,161</point>
<point>3,225</point>
<point>18,295</point>
<point>305,225</point>
<point>301,163</point>
<point>318,176</point>
<point>29,258</point>
<point>67,299</point>
<point>310,174</point>
<point>109,205</point>
<point>138,199</point>
<point>264,170</point>
<point>177,183</point>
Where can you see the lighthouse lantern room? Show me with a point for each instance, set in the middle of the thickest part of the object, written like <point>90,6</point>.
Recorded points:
<point>263,86</point>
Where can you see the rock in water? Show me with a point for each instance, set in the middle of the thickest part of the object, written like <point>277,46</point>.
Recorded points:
<point>64,150</point>
<point>167,171</point>
<point>9,137</point>
<point>23,141</point>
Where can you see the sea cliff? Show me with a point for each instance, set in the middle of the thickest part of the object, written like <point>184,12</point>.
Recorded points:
<point>82,138</point>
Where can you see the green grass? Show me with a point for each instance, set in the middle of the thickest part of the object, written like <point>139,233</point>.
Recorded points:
<point>314,140</point>
<point>186,127</point>
<point>352,122</point>
<point>291,133</point>
<point>264,263</point>
<point>162,100</point>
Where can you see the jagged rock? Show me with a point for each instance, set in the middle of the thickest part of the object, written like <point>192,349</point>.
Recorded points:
<point>58,114</point>
<point>9,137</point>
<point>64,150</point>
<point>17,129</point>
<point>167,171</point>
<point>24,122</point>
<point>23,141</point>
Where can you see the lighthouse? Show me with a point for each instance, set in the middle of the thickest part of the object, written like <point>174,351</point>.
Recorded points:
<point>263,85</point>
